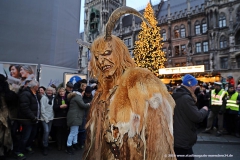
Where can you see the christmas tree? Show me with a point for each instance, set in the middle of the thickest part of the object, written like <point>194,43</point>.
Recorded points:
<point>148,49</point>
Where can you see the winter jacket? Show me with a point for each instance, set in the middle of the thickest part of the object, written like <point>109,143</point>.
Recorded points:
<point>186,115</point>
<point>29,106</point>
<point>76,110</point>
<point>203,99</point>
<point>230,111</point>
<point>218,109</point>
<point>47,113</point>
<point>60,112</point>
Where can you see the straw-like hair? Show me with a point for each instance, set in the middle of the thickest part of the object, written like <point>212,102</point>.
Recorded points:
<point>119,51</point>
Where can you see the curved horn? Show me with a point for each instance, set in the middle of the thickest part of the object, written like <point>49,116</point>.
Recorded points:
<point>83,43</point>
<point>116,15</point>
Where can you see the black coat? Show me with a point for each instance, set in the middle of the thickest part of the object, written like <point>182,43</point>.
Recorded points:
<point>203,99</point>
<point>29,105</point>
<point>186,116</point>
<point>60,112</point>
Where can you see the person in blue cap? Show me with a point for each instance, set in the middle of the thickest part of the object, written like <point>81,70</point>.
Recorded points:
<point>186,115</point>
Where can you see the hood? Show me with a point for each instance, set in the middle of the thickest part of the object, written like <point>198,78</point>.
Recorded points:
<point>179,92</point>
<point>71,95</point>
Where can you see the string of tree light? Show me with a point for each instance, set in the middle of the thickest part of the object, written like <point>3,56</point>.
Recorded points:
<point>148,48</point>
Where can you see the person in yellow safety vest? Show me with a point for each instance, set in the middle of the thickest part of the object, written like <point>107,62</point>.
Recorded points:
<point>232,110</point>
<point>217,108</point>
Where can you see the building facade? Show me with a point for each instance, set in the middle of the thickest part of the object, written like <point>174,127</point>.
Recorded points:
<point>194,32</point>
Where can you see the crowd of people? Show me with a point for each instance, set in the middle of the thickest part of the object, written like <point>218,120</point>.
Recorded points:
<point>214,107</point>
<point>34,114</point>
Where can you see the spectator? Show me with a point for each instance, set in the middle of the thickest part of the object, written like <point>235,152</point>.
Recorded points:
<point>14,79</point>
<point>47,116</point>
<point>87,98</point>
<point>53,86</point>
<point>26,72</point>
<point>29,111</point>
<point>94,88</point>
<point>232,109</point>
<point>203,100</point>
<point>60,108</point>
<point>186,115</point>
<point>217,107</point>
<point>75,118</point>
<point>77,86</point>
<point>41,90</point>
<point>203,97</point>
<point>238,88</point>
<point>83,85</point>
<point>231,80</point>
<point>14,70</point>
<point>69,87</point>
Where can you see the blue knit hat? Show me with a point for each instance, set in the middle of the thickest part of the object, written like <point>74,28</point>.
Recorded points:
<point>189,80</point>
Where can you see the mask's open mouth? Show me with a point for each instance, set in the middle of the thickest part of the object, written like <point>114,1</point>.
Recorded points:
<point>105,68</point>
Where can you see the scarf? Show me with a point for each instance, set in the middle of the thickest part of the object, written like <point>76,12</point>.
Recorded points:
<point>192,93</point>
<point>50,98</point>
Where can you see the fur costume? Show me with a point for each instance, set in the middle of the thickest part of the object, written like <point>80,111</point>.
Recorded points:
<point>131,115</point>
<point>5,128</point>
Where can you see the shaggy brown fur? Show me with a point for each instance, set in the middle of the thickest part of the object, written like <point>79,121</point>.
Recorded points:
<point>131,116</point>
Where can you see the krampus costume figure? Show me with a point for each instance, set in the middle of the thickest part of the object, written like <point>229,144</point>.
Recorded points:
<point>7,97</point>
<point>131,115</point>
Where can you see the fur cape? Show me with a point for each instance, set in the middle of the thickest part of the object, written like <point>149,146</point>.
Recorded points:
<point>134,122</point>
<point>5,130</point>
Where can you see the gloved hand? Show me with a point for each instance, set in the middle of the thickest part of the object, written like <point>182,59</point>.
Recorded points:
<point>220,112</point>
<point>34,120</point>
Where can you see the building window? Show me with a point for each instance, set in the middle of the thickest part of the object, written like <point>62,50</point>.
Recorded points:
<point>176,32</point>
<point>198,62</point>
<point>177,53</point>
<point>128,42</point>
<point>237,38</point>
<point>197,28</point>
<point>183,50</point>
<point>164,50</point>
<point>169,51</point>
<point>222,20</point>
<point>198,48</point>
<point>223,42</point>
<point>182,31</point>
<point>206,65</point>
<point>238,61</point>
<point>224,62</point>
<point>238,14</point>
<point>204,26</point>
<point>164,35</point>
<point>177,64</point>
<point>136,37</point>
<point>205,46</point>
<point>131,54</point>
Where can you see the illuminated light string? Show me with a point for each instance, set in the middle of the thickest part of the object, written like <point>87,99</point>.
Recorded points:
<point>148,49</point>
